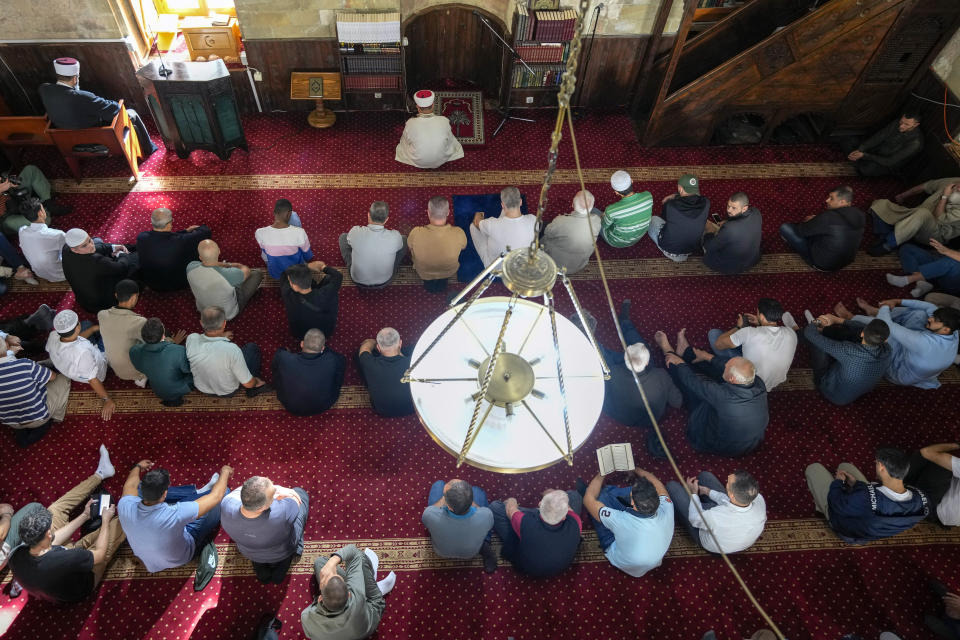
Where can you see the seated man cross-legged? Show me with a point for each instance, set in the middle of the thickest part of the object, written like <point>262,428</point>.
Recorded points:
<point>266,521</point>
<point>166,526</point>
<point>847,361</point>
<point>44,561</point>
<point>220,367</point>
<point>460,522</point>
<point>736,513</point>
<point>769,345</point>
<point>634,524</point>
<point>860,511</point>
<point>621,399</point>
<point>828,241</point>
<point>308,383</point>
<point>726,400</point>
<point>540,542</point>
<point>163,360</point>
<point>351,601</point>
<point>382,365</point>
<point>373,253</point>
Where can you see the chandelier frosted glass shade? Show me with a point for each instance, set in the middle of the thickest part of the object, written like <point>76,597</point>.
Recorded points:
<point>521,426</point>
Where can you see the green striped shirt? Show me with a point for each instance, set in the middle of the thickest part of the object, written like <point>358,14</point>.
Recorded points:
<point>625,222</point>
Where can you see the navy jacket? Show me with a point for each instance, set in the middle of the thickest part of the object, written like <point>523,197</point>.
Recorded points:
<point>862,513</point>
<point>725,419</point>
<point>685,218</point>
<point>164,256</point>
<point>315,310</point>
<point>69,108</point>
<point>308,383</point>
<point>736,246</point>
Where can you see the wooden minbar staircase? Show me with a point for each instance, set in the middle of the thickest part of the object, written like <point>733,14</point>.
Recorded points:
<point>837,63</point>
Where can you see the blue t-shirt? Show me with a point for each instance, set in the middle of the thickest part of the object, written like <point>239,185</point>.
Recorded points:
<point>639,543</point>
<point>158,534</point>
<point>270,537</point>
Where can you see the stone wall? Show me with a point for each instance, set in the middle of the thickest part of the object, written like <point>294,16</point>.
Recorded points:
<point>58,20</point>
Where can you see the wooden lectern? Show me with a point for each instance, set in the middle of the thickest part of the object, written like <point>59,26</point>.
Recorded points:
<point>194,107</point>
<point>319,86</point>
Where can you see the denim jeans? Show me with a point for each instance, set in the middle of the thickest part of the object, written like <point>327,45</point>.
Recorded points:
<point>941,270</point>
<point>251,356</point>
<point>712,336</point>
<point>798,243</point>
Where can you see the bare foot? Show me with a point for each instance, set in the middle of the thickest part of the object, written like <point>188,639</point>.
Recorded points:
<point>682,344</point>
<point>660,338</point>
<point>841,310</point>
<point>868,308</point>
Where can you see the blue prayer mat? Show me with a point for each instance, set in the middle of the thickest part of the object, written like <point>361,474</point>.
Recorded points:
<point>464,208</point>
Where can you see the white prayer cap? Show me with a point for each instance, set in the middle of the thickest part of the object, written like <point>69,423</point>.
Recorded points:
<point>76,237</point>
<point>620,180</point>
<point>65,321</point>
<point>66,67</point>
<point>423,98</point>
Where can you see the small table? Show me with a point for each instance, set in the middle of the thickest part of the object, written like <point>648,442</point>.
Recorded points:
<point>318,86</point>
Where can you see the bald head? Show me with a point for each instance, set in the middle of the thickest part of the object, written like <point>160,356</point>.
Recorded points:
<point>739,371</point>
<point>208,251</point>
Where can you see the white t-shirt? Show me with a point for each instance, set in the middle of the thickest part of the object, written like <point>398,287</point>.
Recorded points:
<point>770,349</point>
<point>78,360</point>
<point>506,232</point>
<point>949,508</point>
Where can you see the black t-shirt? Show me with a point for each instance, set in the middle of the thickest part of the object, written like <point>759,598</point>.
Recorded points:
<point>546,549</point>
<point>59,575</point>
<point>389,396</point>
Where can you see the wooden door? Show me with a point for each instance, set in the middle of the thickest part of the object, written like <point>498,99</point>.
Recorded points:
<point>449,42</point>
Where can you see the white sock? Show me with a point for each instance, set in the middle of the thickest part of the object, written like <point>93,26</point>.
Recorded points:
<point>374,560</point>
<point>809,316</point>
<point>142,383</point>
<point>897,281</point>
<point>789,322</point>
<point>386,585</point>
<point>209,485</point>
<point>923,288</point>
<point>105,467</point>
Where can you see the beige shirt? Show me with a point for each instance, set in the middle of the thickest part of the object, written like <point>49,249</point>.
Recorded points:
<point>428,142</point>
<point>120,330</point>
<point>435,250</point>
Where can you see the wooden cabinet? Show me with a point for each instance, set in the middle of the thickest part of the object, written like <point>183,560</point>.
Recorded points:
<point>194,107</point>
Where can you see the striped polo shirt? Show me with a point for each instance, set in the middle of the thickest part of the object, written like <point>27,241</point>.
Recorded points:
<point>625,222</point>
<point>23,391</point>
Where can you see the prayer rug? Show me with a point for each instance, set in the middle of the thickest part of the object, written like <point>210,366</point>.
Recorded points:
<point>464,109</point>
<point>464,208</point>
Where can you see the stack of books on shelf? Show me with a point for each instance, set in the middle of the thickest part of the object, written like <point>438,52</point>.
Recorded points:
<point>555,26</point>
<point>370,82</point>
<point>546,52</point>
<point>525,24</point>
<point>544,75</point>
<point>368,27</point>
<point>372,64</point>
<point>370,48</point>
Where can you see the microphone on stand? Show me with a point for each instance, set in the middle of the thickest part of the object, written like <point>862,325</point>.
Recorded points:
<point>163,72</point>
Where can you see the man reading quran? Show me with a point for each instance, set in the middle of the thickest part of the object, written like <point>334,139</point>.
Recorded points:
<point>428,140</point>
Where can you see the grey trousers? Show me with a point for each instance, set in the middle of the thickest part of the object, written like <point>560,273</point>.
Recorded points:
<point>248,288</point>
<point>819,481</point>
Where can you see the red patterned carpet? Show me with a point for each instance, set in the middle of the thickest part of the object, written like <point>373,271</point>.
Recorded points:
<point>368,476</point>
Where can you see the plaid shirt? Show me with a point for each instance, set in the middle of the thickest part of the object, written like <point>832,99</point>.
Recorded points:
<point>857,370</point>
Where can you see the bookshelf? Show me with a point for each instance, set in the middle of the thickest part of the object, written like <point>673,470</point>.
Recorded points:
<point>371,61</point>
<point>542,38</point>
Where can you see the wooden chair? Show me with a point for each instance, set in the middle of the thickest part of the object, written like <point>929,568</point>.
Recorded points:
<point>116,139</point>
<point>22,131</point>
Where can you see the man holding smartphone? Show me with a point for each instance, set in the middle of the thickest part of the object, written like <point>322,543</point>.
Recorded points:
<point>733,245</point>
